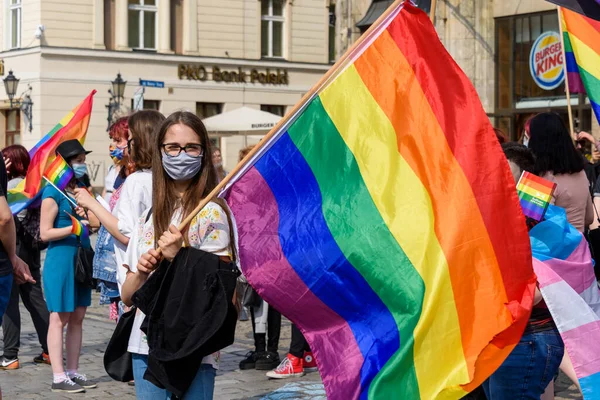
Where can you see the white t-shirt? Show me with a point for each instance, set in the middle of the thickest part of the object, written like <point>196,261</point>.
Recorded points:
<point>136,197</point>
<point>209,231</point>
<point>109,182</point>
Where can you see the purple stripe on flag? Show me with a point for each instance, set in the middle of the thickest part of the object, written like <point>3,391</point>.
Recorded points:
<point>584,341</point>
<point>532,210</point>
<point>575,83</point>
<point>260,226</point>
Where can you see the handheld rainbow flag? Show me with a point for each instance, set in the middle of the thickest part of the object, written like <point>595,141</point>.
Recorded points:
<point>581,38</point>
<point>374,216</point>
<point>73,126</point>
<point>78,228</point>
<point>535,194</point>
<point>59,173</point>
<point>565,271</point>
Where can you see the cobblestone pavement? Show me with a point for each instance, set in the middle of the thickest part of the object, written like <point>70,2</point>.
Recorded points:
<point>33,381</point>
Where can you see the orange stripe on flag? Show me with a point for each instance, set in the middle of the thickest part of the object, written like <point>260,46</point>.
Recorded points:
<point>418,132</point>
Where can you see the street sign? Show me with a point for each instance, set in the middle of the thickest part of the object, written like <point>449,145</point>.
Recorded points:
<point>155,84</point>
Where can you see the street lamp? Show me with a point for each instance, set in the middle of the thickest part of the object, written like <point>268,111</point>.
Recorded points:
<point>11,83</point>
<point>117,93</point>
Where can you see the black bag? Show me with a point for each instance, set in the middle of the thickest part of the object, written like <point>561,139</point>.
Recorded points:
<point>28,230</point>
<point>593,237</point>
<point>249,296</point>
<point>117,360</point>
<point>84,265</point>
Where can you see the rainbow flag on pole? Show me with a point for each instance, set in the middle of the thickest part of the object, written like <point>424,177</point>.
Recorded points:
<point>535,194</point>
<point>382,219</point>
<point>73,126</point>
<point>59,173</point>
<point>565,271</point>
<point>581,38</point>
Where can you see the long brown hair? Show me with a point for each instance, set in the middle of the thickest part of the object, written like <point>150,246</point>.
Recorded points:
<point>142,127</point>
<point>165,200</point>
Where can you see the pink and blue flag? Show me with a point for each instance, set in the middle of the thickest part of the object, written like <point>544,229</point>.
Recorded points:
<point>565,271</point>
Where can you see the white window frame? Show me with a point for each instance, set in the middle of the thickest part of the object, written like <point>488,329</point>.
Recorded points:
<point>275,18</point>
<point>17,7</point>
<point>141,9</point>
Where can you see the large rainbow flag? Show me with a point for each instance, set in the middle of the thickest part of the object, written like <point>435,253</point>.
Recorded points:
<point>73,126</point>
<point>565,272</point>
<point>581,38</point>
<point>382,219</point>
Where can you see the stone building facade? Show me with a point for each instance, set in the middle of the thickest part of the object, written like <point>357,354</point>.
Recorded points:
<point>65,49</point>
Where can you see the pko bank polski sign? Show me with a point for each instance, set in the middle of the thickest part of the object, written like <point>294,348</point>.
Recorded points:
<point>546,61</point>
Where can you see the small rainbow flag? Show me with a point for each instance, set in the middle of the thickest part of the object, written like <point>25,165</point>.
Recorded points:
<point>535,194</point>
<point>78,228</point>
<point>369,219</point>
<point>73,126</point>
<point>59,173</point>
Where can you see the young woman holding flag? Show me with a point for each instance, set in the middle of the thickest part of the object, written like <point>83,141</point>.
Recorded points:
<point>67,300</point>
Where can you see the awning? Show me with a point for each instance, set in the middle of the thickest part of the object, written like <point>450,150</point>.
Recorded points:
<point>377,8</point>
<point>243,120</point>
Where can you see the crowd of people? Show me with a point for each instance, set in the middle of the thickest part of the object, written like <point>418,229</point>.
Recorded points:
<point>151,154</point>
<point>162,168</point>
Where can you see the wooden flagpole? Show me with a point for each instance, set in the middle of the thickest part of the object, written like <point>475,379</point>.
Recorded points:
<point>339,65</point>
<point>432,11</point>
<point>567,89</point>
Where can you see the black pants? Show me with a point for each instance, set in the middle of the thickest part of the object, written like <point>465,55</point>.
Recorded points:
<point>299,344</point>
<point>273,330</point>
<point>33,299</point>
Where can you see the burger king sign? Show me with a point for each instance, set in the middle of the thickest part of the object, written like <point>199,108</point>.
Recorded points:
<point>546,61</point>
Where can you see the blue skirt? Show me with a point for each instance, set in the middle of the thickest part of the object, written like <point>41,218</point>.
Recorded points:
<point>62,293</point>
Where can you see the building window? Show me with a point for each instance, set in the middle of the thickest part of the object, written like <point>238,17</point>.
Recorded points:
<point>14,22</point>
<point>147,105</point>
<point>272,20</point>
<point>273,109</point>
<point>332,33</point>
<point>142,20</point>
<point>518,94</point>
<point>206,110</point>
<point>13,127</point>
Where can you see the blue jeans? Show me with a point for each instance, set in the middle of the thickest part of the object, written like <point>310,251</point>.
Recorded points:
<point>202,387</point>
<point>5,290</point>
<point>529,368</point>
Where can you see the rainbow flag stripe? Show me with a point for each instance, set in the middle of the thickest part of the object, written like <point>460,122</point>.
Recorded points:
<point>370,220</point>
<point>78,228</point>
<point>565,271</point>
<point>581,37</point>
<point>535,194</point>
<point>73,126</point>
<point>59,173</point>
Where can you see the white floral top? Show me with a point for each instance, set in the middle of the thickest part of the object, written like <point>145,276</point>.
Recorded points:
<point>209,231</point>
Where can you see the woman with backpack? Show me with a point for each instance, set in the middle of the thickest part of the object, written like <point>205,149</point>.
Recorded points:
<point>29,247</point>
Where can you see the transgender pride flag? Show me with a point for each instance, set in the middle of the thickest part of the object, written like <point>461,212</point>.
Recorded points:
<point>564,267</point>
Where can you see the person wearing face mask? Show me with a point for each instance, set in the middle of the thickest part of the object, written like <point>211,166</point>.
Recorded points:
<point>67,300</point>
<point>183,175</point>
<point>105,263</point>
<point>136,193</point>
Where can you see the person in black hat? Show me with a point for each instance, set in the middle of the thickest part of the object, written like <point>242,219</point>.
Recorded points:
<point>67,300</point>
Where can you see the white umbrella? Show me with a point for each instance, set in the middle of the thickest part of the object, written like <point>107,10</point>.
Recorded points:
<point>243,120</point>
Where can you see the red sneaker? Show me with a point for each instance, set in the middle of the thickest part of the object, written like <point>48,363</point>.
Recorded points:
<point>290,366</point>
<point>309,363</point>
